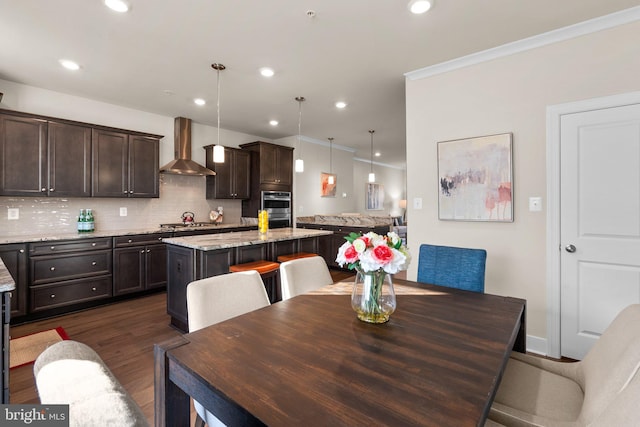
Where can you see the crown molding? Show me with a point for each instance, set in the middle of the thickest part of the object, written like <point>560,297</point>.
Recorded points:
<point>587,27</point>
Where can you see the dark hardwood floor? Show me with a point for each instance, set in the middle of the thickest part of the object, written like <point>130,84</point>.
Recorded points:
<point>123,334</point>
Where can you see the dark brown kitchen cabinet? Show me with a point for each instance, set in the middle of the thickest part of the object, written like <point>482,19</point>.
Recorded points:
<point>274,165</point>
<point>23,155</point>
<point>139,263</point>
<point>271,170</point>
<point>124,165</point>
<point>69,160</point>
<point>45,156</point>
<point>42,157</point>
<point>232,179</point>
<point>69,273</point>
<point>14,257</point>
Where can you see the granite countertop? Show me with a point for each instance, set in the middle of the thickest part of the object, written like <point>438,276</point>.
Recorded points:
<point>113,233</point>
<point>365,221</point>
<point>211,242</point>
<point>6,281</point>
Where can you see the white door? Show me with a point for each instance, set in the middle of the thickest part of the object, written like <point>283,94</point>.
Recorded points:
<point>599,222</point>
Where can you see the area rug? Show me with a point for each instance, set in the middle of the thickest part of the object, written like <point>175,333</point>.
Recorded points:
<point>25,350</point>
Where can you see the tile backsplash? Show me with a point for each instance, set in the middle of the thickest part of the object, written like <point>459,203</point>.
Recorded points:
<point>49,215</point>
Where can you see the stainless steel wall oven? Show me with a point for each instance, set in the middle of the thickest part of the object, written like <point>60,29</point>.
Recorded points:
<point>278,204</point>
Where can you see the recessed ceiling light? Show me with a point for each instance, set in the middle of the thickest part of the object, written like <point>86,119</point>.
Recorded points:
<point>117,5</point>
<point>273,122</point>
<point>199,101</point>
<point>341,104</point>
<point>377,154</point>
<point>420,6</point>
<point>267,72</point>
<point>69,65</point>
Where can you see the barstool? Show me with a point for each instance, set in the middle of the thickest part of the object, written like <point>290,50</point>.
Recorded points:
<point>268,271</point>
<point>297,255</point>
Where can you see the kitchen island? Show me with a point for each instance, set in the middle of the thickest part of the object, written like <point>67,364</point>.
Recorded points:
<point>197,257</point>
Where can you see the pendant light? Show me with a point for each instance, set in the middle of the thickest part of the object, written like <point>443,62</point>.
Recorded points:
<point>218,150</point>
<point>372,176</point>
<point>330,180</point>
<point>299,162</point>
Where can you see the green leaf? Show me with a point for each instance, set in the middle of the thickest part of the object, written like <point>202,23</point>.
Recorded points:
<point>352,236</point>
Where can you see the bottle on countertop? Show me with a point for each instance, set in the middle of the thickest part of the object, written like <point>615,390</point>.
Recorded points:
<point>263,221</point>
<point>90,222</point>
<point>81,221</point>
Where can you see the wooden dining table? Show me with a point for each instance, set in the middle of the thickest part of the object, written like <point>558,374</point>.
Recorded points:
<point>308,361</point>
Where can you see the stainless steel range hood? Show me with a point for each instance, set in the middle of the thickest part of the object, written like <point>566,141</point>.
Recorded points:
<point>182,163</point>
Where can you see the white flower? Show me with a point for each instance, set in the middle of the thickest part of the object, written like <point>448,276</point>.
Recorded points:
<point>393,237</point>
<point>359,245</point>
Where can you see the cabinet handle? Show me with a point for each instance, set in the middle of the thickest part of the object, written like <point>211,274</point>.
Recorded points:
<point>148,250</point>
<point>53,248</point>
<point>94,263</point>
<point>52,190</point>
<point>53,295</point>
<point>130,191</point>
<point>129,241</point>
<point>125,191</point>
<point>21,251</point>
<point>142,251</point>
<point>93,244</point>
<point>52,269</point>
<point>44,190</point>
<point>93,289</point>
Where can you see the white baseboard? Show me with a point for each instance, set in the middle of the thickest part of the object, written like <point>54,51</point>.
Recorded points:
<point>537,345</point>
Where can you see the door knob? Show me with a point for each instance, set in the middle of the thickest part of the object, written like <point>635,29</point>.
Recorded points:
<point>570,248</point>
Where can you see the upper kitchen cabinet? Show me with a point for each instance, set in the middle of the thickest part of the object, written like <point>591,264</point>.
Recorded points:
<point>44,158</point>
<point>232,178</point>
<point>23,156</point>
<point>272,165</point>
<point>124,164</point>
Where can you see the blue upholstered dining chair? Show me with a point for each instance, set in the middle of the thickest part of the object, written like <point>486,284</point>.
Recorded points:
<point>460,268</point>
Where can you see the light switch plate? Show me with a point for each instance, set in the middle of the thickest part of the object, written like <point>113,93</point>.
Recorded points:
<point>123,211</point>
<point>417,203</point>
<point>13,213</point>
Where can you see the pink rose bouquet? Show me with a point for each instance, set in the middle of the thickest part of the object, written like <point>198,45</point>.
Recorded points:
<point>372,252</point>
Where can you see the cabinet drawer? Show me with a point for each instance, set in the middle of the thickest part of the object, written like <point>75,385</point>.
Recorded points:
<point>69,292</point>
<point>46,269</point>
<point>139,239</point>
<point>63,246</point>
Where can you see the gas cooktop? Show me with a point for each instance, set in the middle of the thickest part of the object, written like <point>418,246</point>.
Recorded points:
<point>186,225</point>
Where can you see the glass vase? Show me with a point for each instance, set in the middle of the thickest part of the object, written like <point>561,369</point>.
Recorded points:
<point>373,297</point>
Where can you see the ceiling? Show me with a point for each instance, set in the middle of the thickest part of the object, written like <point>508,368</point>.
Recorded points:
<point>158,56</point>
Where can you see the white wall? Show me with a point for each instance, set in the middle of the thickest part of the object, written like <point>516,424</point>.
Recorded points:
<point>509,94</point>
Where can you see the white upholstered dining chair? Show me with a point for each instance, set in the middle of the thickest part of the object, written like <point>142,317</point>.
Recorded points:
<point>303,275</point>
<point>218,298</point>
<point>599,391</point>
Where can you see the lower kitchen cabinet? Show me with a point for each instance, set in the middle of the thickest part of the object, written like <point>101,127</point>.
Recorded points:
<point>139,263</point>
<point>60,294</point>
<point>14,257</point>
<point>72,272</point>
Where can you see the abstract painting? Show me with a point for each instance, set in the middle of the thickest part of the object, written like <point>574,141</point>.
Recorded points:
<point>375,196</point>
<point>327,189</point>
<point>475,179</point>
